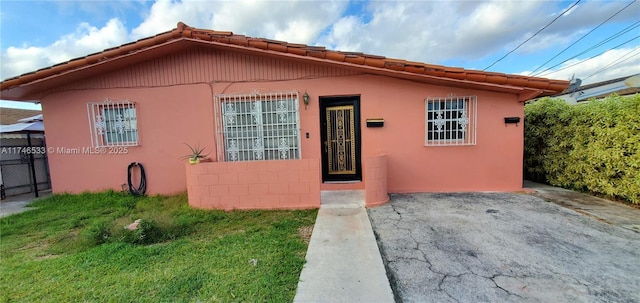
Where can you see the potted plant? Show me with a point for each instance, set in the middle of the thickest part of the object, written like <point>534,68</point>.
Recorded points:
<point>196,154</point>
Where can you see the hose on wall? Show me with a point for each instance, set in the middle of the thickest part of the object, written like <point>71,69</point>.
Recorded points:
<point>141,189</point>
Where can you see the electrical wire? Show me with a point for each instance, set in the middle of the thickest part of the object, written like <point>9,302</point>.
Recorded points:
<point>606,40</point>
<point>618,61</point>
<point>525,41</point>
<point>142,187</point>
<point>583,61</point>
<point>574,43</point>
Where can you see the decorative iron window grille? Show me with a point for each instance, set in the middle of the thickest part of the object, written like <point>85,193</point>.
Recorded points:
<point>113,123</point>
<point>258,126</point>
<point>450,121</point>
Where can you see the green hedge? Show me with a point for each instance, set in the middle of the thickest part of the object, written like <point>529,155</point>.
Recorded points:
<point>592,147</point>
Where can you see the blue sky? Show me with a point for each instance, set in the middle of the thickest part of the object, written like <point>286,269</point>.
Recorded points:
<point>468,34</point>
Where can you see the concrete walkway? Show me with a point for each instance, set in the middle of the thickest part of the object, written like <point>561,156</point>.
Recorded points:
<point>17,204</point>
<point>343,260</point>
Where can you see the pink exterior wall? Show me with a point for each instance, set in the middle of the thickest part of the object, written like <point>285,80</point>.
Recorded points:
<point>177,107</point>
<point>376,181</point>
<point>167,118</point>
<point>292,184</point>
<point>493,164</point>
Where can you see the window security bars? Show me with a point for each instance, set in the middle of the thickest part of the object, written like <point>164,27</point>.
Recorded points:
<point>450,121</point>
<point>258,126</point>
<point>113,123</point>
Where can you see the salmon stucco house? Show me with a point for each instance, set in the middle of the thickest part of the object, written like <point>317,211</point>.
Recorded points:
<point>281,121</point>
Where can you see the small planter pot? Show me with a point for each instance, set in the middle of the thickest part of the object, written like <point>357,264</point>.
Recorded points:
<point>194,161</point>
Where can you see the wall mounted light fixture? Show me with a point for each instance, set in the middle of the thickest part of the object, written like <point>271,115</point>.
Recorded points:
<point>305,99</point>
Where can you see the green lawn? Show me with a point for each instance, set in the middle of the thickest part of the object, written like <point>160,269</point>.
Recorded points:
<point>74,248</point>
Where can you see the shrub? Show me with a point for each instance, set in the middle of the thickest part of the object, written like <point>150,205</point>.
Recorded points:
<point>97,233</point>
<point>591,147</point>
<point>157,219</point>
<point>147,232</point>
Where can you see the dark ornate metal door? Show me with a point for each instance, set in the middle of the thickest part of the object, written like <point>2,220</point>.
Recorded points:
<point>340,127</point>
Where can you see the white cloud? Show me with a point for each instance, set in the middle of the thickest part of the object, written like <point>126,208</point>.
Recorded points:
<point>85,40</point>
<point>434,31</point>
<point>341,32</point>
<point>165,14</point>
<point>16,60</point>
<point>292,21</point>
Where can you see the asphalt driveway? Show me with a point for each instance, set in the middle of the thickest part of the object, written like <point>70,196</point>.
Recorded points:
<point>503,247</point>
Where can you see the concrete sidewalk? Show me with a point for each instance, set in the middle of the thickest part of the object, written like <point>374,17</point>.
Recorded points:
<point>17,204</point>
<point>343,260</point>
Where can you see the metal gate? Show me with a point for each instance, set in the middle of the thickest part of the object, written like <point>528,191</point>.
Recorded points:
<point>340,135</point>
<point>340,143</point>
<point>16,172</point>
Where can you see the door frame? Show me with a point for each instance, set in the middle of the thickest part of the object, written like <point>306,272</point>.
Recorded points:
<point>328,101</point>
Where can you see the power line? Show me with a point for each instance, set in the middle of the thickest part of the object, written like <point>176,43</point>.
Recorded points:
<point>583,61</point>
<point>574,43</point>
<point>525,41</point>
<point>606,40</point>
<point>618,61</point>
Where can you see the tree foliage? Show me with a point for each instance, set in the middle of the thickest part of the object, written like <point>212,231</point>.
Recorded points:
<point>593,147</point>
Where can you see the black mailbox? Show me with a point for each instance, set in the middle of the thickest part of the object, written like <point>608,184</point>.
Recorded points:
<point>378,122</point>
<point>511,120</point>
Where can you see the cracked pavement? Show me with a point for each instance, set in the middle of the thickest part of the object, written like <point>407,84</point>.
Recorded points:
<point>502,247</point>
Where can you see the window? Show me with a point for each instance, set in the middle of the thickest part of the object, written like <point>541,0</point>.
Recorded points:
<point>258,126</point>
<point>113,123</point>
<point>450,121</point>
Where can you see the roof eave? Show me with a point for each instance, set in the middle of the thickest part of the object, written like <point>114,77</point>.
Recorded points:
<point>36,89</point>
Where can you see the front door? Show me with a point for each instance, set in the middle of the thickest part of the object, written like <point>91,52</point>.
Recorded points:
<point>340,134</point>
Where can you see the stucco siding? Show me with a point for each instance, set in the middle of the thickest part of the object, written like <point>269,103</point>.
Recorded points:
<point>167,118</point>
<point>174,100</point>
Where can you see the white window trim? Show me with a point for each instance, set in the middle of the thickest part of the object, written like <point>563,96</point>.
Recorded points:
<point>98,117</point>
<point>222,150</point>
<point>467,120</point>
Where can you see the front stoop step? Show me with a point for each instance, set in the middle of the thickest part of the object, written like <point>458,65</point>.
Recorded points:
<point>342,199</point>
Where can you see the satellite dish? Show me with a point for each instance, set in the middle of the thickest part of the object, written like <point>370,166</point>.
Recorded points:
<point>574,85</point>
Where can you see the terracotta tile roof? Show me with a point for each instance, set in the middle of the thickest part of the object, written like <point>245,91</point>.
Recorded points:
<point>547,86</point>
